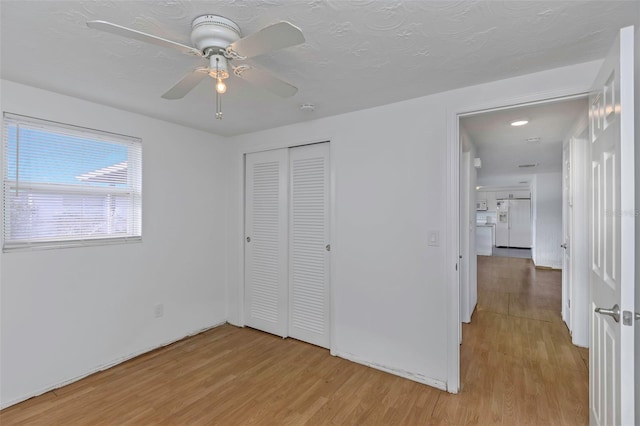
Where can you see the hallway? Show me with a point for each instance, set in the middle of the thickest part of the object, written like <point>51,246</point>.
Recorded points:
<point>518,365</point>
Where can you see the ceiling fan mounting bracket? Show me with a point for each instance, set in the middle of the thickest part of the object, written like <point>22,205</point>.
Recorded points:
<point>213,33</point>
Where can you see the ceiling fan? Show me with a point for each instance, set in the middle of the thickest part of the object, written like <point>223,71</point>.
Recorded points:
<point>220,41</point>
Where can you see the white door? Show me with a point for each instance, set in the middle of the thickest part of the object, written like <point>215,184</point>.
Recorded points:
<point>611,374</point>
<point>520,223</point>
<point>266,254</point>
<point>309,244</point>
<point>566,233</point>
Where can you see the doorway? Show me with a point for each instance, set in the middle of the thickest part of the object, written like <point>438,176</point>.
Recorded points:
<point>521,165</point>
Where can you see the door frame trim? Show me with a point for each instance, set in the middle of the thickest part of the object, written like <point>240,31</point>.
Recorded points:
<point>452,243</point>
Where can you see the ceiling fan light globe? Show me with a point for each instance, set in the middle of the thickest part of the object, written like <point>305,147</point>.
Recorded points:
<point>221,87</point>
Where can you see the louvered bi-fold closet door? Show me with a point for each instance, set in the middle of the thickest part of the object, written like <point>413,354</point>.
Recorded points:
<point>308,244</point>
<point>266,266</point>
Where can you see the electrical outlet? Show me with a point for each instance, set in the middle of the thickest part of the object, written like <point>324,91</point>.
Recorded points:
<point>159,310</point>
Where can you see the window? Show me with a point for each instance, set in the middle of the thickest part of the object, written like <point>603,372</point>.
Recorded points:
<point>65,185</point>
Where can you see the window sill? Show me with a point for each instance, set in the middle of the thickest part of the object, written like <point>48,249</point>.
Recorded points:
<point>54,245</point>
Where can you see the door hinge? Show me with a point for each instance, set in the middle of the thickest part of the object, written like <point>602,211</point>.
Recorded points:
<point>456,266</point>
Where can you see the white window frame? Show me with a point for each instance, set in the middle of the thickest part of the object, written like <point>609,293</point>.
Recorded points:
<point>133,189</point>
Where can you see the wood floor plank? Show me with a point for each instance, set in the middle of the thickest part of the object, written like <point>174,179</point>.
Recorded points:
<point>518,367</point>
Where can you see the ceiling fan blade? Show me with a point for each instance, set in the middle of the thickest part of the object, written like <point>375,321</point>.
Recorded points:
<point>184,86</point>
<point>274,37</point>
<point>268,82</point>
<point>138,35</point>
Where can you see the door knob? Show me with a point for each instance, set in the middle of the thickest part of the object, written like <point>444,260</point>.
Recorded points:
<point>613,312</point>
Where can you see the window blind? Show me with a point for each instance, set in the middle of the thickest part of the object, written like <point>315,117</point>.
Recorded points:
<point>65,185</point>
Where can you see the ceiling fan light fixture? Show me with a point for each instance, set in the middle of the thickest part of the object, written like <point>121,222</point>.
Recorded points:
<point>218,67</point>
<point>219,40</point>
<point>220,86</point>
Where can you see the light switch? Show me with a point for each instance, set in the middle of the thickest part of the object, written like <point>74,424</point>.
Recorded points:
<point>433,238</point>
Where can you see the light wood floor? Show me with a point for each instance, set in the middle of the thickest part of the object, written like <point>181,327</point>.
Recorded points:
<point>518,368</point>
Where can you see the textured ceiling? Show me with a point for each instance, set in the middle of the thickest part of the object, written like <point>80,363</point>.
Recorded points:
<point>358,53</point>
<point>502,147</point>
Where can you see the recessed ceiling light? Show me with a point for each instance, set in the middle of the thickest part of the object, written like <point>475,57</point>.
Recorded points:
<point>533,140</point>
<point>519,122</point>
<point>307,107</point>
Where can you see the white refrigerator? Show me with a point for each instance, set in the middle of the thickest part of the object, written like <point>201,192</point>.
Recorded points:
<point>513,224</point>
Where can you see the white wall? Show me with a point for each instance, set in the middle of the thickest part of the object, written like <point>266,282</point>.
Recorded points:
<point>580,267</point>
<point>68,312</point>
<point>468,263</point>
<point>388,282</point>
<point>547,202</point>
<point>473,258</point>
<point>390,171</point>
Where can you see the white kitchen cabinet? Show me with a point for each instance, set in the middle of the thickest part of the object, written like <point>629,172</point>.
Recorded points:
<point>484,240</point>
<point>508,195</point>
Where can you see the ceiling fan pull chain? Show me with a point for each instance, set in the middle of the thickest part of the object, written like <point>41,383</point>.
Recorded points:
<point>218,97</point>
<point>218,107</point>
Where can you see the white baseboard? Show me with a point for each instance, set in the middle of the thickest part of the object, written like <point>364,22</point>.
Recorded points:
<point>416,377</point>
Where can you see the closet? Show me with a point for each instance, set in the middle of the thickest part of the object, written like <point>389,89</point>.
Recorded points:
<point>287,242</point>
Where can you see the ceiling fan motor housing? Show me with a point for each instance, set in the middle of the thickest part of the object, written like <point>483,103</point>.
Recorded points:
<point>213,31</point>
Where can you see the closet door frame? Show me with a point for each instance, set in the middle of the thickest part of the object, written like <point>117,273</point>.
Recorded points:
<point>334,240</point>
